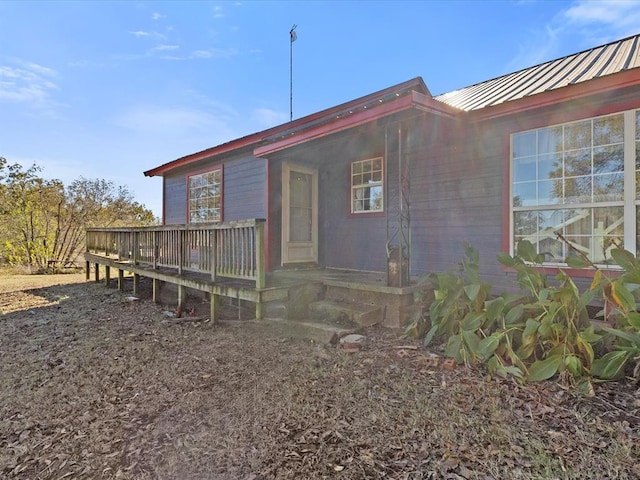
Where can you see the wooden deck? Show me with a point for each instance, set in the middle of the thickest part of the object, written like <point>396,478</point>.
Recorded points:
<point>223,260</point>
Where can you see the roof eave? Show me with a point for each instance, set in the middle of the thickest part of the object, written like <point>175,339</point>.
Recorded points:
<point>414,100</point>
<point>258,137</point>
<point>571,92</point>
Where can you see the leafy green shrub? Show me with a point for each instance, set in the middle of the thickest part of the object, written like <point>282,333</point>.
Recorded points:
<point>538,334</point>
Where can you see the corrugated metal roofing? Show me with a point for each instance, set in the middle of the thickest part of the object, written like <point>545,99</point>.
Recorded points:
<point>580,67</point>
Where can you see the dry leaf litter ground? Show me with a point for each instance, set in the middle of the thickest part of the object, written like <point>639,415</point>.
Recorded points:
<point>93,385</point>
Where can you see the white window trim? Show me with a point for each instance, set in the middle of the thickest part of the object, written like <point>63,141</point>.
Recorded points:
<point>221,192</point>
<point>629,202</point>
<point>353,187</point>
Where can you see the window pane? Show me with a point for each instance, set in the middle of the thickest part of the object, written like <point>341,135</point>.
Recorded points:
<point>525,223</point>
<point>524,169</point>
<point>549,192</point>
<point>577,135</point>
<point>577,190</point>
<point>608,130</point>
<point>577,162</point>
<point>524,144</point>
<point>608,188</point>
<point>577,222</point>
<point>549,140</point>
<point>608,159</point>
<point>524,194</point>
<point>205,197</point>
<point>549,166</point>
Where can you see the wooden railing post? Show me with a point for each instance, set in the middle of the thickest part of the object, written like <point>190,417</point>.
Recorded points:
<point>261,271</point>
<point>213,248</point>
<point>181,235</point>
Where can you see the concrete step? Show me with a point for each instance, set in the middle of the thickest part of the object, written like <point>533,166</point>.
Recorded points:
<point>347,314</point>
<point>318,332</point>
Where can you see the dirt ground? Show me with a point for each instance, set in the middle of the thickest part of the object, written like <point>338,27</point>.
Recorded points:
<point>93,385</point>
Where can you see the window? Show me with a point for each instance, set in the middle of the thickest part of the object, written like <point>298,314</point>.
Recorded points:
<point>577,179</point>
<point>205,197</point>
<point>367,186</point>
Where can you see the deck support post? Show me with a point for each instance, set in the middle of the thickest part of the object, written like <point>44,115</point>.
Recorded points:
<point>87,270</point>
<point>96,272</point>
<point>259,310</point>
<point>182,296</point>
<point>120,279</point>
<point>136,284</point>
<point>214,304</point>
<point>107,275</point>
<point>156,290</point>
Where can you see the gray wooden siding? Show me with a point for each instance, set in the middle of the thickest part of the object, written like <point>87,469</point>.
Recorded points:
<point>243,185</point>
<point>244,189</point>
<point>175,199</point>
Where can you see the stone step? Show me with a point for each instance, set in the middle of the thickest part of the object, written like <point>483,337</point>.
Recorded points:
<point>318,332</point>
<point>347,314</point>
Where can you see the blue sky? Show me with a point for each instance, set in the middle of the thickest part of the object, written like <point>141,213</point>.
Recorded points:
<point>110,89</point>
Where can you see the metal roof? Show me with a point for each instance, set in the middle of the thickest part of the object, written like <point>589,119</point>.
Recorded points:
<point>580,67</point>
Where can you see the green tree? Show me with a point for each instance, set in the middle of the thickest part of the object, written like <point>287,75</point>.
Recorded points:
<point>43,222</point>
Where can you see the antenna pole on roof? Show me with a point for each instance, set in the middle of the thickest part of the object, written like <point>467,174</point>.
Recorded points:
<point>293,36</point>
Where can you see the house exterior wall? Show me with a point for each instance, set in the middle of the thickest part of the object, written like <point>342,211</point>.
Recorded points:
<point>460,191</point>
<point>244,195</point>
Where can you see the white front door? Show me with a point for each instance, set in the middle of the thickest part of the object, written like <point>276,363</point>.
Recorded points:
<point>299,214</point>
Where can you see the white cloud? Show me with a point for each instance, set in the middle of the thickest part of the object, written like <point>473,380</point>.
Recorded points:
<point>165,48</point>
<point>28,83</point>
<point>584,24</point>
<point>217,12</point>
<point>601,21</point>
<point>269,118</point>
<point>157,16</point>
<point>147,34</point>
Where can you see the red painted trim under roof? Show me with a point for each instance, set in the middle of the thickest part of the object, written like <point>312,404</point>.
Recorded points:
<point>412,100</point>
<point>258,137</point>
<point>552,97</point>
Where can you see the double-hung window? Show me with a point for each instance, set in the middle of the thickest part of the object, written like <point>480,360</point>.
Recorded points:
<point>367,186</point>
<point>205,197</point>
<point>578,180</point>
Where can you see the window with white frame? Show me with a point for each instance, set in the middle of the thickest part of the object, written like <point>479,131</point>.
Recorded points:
<point>205,197</point>
<point>579,180</point>
<point>367,186</point>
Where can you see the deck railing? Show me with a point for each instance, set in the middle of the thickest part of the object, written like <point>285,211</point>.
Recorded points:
<point>229,249</point>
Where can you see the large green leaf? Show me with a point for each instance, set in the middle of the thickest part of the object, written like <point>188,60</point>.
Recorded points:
<point>494,308</point>
<point>544,369</point>
<point>622,296</point>
<point>514,315</point>
<point>634,319</point>
<point>471,340</point>
<point>473,320</point>
<point>488,345</point>
<point>529,335</point>
<point>574,365</point>
<point>611,365</point>
<point>625,259</point>
<point>472,291</point>
<point>577,262</point>
<point>454,347</point>
<point>585,348</point>
<point>506,259</point>
<point>630,337</point>
<point>526,251</point>
<point>430,334</point>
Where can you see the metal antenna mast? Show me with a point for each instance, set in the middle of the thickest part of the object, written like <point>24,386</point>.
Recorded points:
<point>293,36</point>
